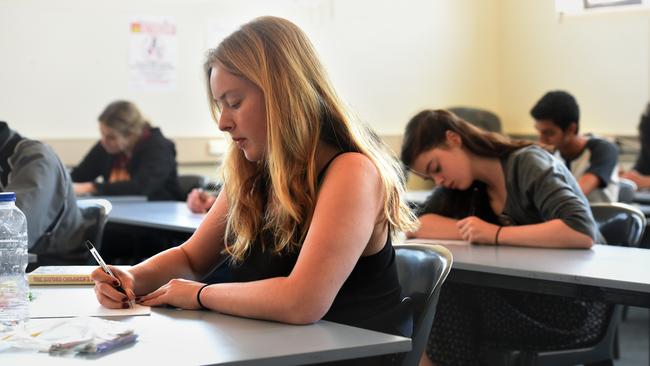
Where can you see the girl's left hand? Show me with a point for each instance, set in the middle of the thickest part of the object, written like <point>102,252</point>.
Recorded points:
<point>177,292</point>
<point>476,230</point>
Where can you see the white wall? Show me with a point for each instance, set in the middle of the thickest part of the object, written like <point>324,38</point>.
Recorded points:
<point>603,60</point>
<point>63,61</point>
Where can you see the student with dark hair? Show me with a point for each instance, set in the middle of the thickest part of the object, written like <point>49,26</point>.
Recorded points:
<point>593,161</point>
<point>43,188</point>
<point>494,191</point>
<point>640,174</point>
<point>132,157</point>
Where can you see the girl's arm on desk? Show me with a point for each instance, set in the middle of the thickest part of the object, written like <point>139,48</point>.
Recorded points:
<point>344,226</point>
<point>186,263</point>
<point>550,234</point>
<point>192,260</point>
<point>434,226</point>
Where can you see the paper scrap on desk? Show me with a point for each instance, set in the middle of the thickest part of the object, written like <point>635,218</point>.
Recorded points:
<point>64,303</point>
<point>438,241</point>
<point>80,334</point>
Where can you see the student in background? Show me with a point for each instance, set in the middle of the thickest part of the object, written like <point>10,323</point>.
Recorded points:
<point>493,191</point>
<point>640,174</point>
<point>593,161</point>
<point>132,157</point>
<point>310,202</point>
<point>44,193</point>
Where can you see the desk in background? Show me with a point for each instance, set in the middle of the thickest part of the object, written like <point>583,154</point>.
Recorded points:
<point>194,337</point>
<point>614,274</point>
<point>166,215</point>
<point>175,216</point>
<point>115,199</point>
<point>606,273</point>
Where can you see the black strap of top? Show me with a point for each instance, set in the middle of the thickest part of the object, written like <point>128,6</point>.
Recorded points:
<point>327,165</point>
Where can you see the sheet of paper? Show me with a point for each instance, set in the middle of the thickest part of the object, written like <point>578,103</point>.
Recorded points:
<point>443,242</point>
<point>70,301</point>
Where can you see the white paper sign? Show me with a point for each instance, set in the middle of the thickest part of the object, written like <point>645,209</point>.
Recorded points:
<point>152,54</point>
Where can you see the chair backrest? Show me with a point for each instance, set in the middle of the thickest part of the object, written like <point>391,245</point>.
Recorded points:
<point>626,189</point>
<point>620,223</point>
<point>187,182</point>
<point>421,269</point>
<point>95,212</point>
<point>478,117</point>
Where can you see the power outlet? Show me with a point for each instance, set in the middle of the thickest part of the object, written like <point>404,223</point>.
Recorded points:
<point>217,147</point>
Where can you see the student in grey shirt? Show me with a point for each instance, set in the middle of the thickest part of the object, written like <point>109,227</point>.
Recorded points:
<point>55,226</point>
<point>493,191</point>
<point>592,160</point>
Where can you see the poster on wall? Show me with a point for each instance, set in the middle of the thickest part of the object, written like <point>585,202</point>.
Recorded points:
<point>152,54</point>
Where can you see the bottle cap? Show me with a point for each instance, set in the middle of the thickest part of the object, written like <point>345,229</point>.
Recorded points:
<point>7,196</point>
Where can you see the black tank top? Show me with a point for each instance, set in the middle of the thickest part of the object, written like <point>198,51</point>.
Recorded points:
<point>369,298</point>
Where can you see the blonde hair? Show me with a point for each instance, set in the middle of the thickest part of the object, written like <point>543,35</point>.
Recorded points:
<point>124,117</point>
<point>302,109</point>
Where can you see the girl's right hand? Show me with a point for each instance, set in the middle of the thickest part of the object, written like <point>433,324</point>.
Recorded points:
<point>106,288</point>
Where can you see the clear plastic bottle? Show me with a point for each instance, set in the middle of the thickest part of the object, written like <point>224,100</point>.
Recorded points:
<point>14,289</point>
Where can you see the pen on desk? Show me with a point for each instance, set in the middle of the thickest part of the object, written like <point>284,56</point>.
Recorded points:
<point>106,269</point>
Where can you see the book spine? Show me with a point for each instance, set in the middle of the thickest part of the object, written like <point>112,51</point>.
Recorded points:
<point>59,279</point>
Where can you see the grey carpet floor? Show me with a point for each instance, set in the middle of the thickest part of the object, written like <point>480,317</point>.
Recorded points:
<point>634,338</point>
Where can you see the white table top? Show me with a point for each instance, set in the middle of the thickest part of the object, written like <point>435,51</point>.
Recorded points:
<point>183,337</point>
<point>167,215</point>
<point>608,268</point>
<point>114,199</point>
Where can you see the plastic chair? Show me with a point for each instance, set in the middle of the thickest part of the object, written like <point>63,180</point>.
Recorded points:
<point>95,212</point>
<point>421,269</point>
<point>187,182</point>
<point>626,189</point>
<point>620,224</point>
<point>478,117</point>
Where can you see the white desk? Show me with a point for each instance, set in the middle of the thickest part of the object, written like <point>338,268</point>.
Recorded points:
<point>605,273</point>
<point>175,216</point>
<point>167,215</point>
<point>184,337</point>
<point>115,199</point>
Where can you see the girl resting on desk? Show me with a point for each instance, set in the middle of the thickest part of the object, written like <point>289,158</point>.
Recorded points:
<point>310,201</point>
<point>493,191</point>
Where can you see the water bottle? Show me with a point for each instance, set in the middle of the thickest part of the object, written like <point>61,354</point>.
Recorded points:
<point>14,289</point>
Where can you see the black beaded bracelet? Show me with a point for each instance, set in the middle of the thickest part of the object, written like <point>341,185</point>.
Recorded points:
<point>496,236</point>
<point>198,296</point>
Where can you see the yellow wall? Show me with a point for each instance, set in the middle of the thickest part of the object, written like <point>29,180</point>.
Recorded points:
<point>603,60</point>
<point>63,61</point>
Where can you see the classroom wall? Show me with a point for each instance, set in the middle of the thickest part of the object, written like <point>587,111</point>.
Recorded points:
<point>602,59</point>
<point>64,60</point>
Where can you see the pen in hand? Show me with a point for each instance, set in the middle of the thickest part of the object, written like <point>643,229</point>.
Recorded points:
<point>106,269</point>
